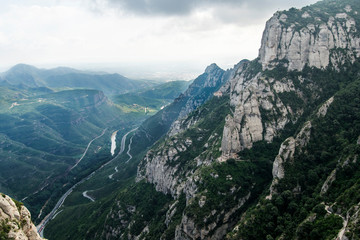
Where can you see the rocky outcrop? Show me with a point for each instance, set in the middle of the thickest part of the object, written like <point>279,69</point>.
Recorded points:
<point>189,230</point>
<point>161,168</point>
<point>17,220</point>
<point>286,154</point>
<point>325,187</point>
<point>298,45</point>
<point>323,109</point>
<point>252,98</point>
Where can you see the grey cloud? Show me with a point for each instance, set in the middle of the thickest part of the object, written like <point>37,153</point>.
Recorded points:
<point>183,7</point>
<point>240,12</point>
<point>156,7</point>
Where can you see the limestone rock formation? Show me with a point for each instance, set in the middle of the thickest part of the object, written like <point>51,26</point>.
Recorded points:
<point>322,43</point>
<point>17,220</point>
<point>251,98</point>
<point>308,45</point>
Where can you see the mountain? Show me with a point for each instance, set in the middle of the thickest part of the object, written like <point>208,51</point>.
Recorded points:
<point>68,78</point>
<point>16,220</point>
<point>307,57</point>
<point>202,89</point>
<point>273,155</point>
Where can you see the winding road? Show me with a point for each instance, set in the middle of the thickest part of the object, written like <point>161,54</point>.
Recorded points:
<point>116,170</point>
<point>77,162</point>
<point>60,202</point>
<point>87,196</point>
<point>128,151</point>
<point>87,148</point>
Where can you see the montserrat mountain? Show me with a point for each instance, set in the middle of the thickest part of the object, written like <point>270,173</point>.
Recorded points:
<point>266,150</point>
<point>16,221</point>
<point>272,139</point>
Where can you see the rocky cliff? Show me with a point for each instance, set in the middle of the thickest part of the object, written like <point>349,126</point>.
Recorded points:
<point>311,39</point>
<point>16,221</point>
<point>322,36</point>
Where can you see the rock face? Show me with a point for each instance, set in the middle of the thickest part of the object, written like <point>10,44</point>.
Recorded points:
<point>323,109</point>
<point>159,170</point>
<point>17,220</point>
<point>321,43</point>
<point>308,45</point>
<point>251,98</point>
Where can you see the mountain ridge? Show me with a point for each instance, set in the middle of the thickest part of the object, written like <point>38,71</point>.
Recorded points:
<point>64,77</point>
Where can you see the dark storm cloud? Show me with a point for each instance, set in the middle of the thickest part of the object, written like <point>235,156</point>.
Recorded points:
<point>183,7</point>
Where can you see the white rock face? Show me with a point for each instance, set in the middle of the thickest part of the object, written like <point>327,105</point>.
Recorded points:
<point>310,45</point>
<point>19,220</point>
<point>231,139</point>
<point>245,125</point>
<point>286,152</point>
<point>158,168</point>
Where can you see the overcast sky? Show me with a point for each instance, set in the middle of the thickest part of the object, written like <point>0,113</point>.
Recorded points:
<point>138,38</point>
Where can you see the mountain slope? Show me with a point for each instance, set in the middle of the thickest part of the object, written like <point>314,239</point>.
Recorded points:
<point>198,92</point>
<point>270,98</point>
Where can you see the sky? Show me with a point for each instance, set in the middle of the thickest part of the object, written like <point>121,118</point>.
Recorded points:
<point>154,39</point>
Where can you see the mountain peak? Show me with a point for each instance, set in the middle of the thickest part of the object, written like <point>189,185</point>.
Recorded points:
<point>21,67</point>
<point>311,36</point>
<point>211,68</point>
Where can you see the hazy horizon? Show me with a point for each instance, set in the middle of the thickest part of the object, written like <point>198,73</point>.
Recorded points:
<point>138,39</point>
